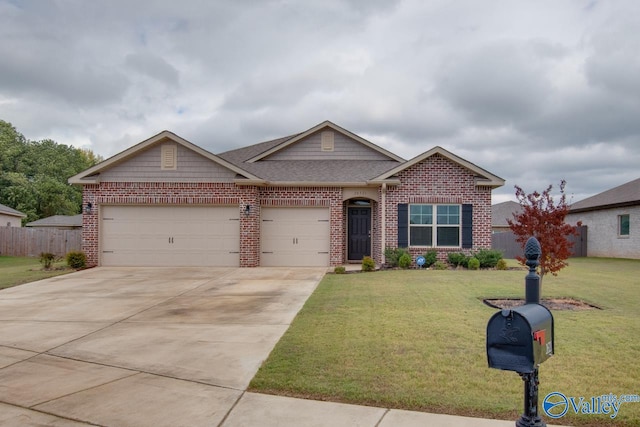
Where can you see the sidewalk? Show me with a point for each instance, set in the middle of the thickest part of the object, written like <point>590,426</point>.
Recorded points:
<point>276,411</point>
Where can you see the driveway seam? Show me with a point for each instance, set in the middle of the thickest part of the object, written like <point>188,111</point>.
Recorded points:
<point>55,415</point>
<point>134,373</point>
<point>382,417</point>
<point>224,419</point>
<point>141,371</point>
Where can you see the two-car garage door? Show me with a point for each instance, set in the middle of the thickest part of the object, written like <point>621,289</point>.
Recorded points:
<point>210,236</point>
<point>170,236</point>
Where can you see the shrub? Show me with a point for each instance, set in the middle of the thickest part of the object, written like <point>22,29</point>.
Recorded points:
<point>340,269</point>
<point>76,259</point>
<point>439,265</point>
<point>502,264</point>
<point>368,264</point>
<point>404,261</point>
<point>458,259</point>
<point>488,258</point>
<point>474,263</point>
<point>430,258</point>
<point>392,255</point>
<point>46,259</point>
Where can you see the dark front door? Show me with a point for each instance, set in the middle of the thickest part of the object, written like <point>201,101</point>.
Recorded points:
<point>359,238</point>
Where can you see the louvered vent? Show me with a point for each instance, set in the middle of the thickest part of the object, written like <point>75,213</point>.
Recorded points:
<point>169,156</point>
<point>327,141</point>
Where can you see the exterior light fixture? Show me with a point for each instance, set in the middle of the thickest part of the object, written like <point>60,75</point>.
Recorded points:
<point>88,207</point>
<point>247,210</point>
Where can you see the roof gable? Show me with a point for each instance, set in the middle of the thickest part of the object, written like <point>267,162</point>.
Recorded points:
<point>309,145</point>
<point>482,176</point>
<point>92,175</point>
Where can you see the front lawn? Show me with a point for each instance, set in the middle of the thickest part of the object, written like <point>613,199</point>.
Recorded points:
<point>416,340</point>
<point>18,270</point>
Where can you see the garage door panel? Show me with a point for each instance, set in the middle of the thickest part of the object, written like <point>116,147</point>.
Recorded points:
<point>295,237</point>
<point>170,236</point>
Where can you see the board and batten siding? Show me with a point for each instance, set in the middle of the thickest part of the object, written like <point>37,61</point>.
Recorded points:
<point>146,167</point>
<point>344,148</point>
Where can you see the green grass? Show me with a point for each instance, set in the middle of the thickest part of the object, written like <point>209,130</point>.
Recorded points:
<point>416,340</point>
<point>18,270</point>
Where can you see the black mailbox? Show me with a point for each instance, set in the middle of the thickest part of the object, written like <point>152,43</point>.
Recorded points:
<point>520,339</point>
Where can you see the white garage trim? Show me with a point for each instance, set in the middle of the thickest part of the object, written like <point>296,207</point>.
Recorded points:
<point>169,235</point>
<point>294,237</point>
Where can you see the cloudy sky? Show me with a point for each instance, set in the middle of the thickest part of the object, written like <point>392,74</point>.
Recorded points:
<point>533,91</point>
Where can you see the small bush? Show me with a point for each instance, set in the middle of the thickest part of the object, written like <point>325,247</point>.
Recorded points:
<point>458,259</point>
<point>430,258</point>
<point>46,259</point>
<point>439,265</point>
<point>392,255</point>
<point>76,259</point>
<point>474,263</point>
<point>488,258</point>
<point>404,261</point>
<point>368,264</point>
<point>340,269</point>
<point>502,264</point>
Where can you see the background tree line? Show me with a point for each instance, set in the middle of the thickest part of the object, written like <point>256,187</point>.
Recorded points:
<point>34,174</point>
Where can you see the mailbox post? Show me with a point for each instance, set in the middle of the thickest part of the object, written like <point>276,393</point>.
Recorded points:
<point>521,338</point>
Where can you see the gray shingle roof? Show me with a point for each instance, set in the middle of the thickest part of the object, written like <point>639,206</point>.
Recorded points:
<point>624,195</point>
<point>58,221</point>
<point>10,211</point>
<point>240,155</point>
<point>313,171</point>
<point>319,170</point>
<point>500,212</point>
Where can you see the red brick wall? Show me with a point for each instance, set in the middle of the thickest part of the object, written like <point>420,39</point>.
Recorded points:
<point>440,180</point>
<point>127,193</point>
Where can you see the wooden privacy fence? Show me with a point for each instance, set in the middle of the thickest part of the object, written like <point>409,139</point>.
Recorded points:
<point>19,241</point>
<point>506,242</point>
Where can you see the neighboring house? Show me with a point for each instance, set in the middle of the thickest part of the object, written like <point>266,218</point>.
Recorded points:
<point>613,220</point>
<point>322,197</point>
<point>500,212</point>
<point>60,222</point>
<point>10,217</point>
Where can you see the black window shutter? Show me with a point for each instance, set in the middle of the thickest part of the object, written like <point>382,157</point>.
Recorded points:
<point>467,226</point>
<point>403,225</point>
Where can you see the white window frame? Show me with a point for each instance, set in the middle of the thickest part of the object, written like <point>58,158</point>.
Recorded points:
<point>434,226</point>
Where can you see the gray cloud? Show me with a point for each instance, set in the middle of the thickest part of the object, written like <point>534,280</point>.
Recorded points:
<point>153,66</point>
<point>532,91</point>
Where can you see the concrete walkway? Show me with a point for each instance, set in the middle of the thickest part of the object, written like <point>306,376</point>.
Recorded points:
<point>162,347</point>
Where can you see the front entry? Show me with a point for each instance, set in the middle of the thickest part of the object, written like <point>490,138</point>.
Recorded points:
<point>359,239</point>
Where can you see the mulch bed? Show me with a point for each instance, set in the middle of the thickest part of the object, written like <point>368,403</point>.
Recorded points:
<point>550,303</point>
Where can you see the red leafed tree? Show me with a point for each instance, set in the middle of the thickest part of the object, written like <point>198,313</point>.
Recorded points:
<point>542,218</point>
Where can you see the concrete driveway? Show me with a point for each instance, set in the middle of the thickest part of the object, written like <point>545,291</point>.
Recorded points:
<point>141,346</point>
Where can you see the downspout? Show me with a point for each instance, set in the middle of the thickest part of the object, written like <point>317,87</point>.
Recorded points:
<point>383,221</point>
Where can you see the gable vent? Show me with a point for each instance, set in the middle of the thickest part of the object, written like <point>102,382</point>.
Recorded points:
<point>327,141</point>
<point>168,157</point>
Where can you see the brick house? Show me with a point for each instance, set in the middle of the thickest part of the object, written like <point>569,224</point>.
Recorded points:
<point>322,197</point>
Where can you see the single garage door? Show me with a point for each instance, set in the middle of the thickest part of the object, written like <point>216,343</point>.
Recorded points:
<point>294,237</point>
<point>170,236</point>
